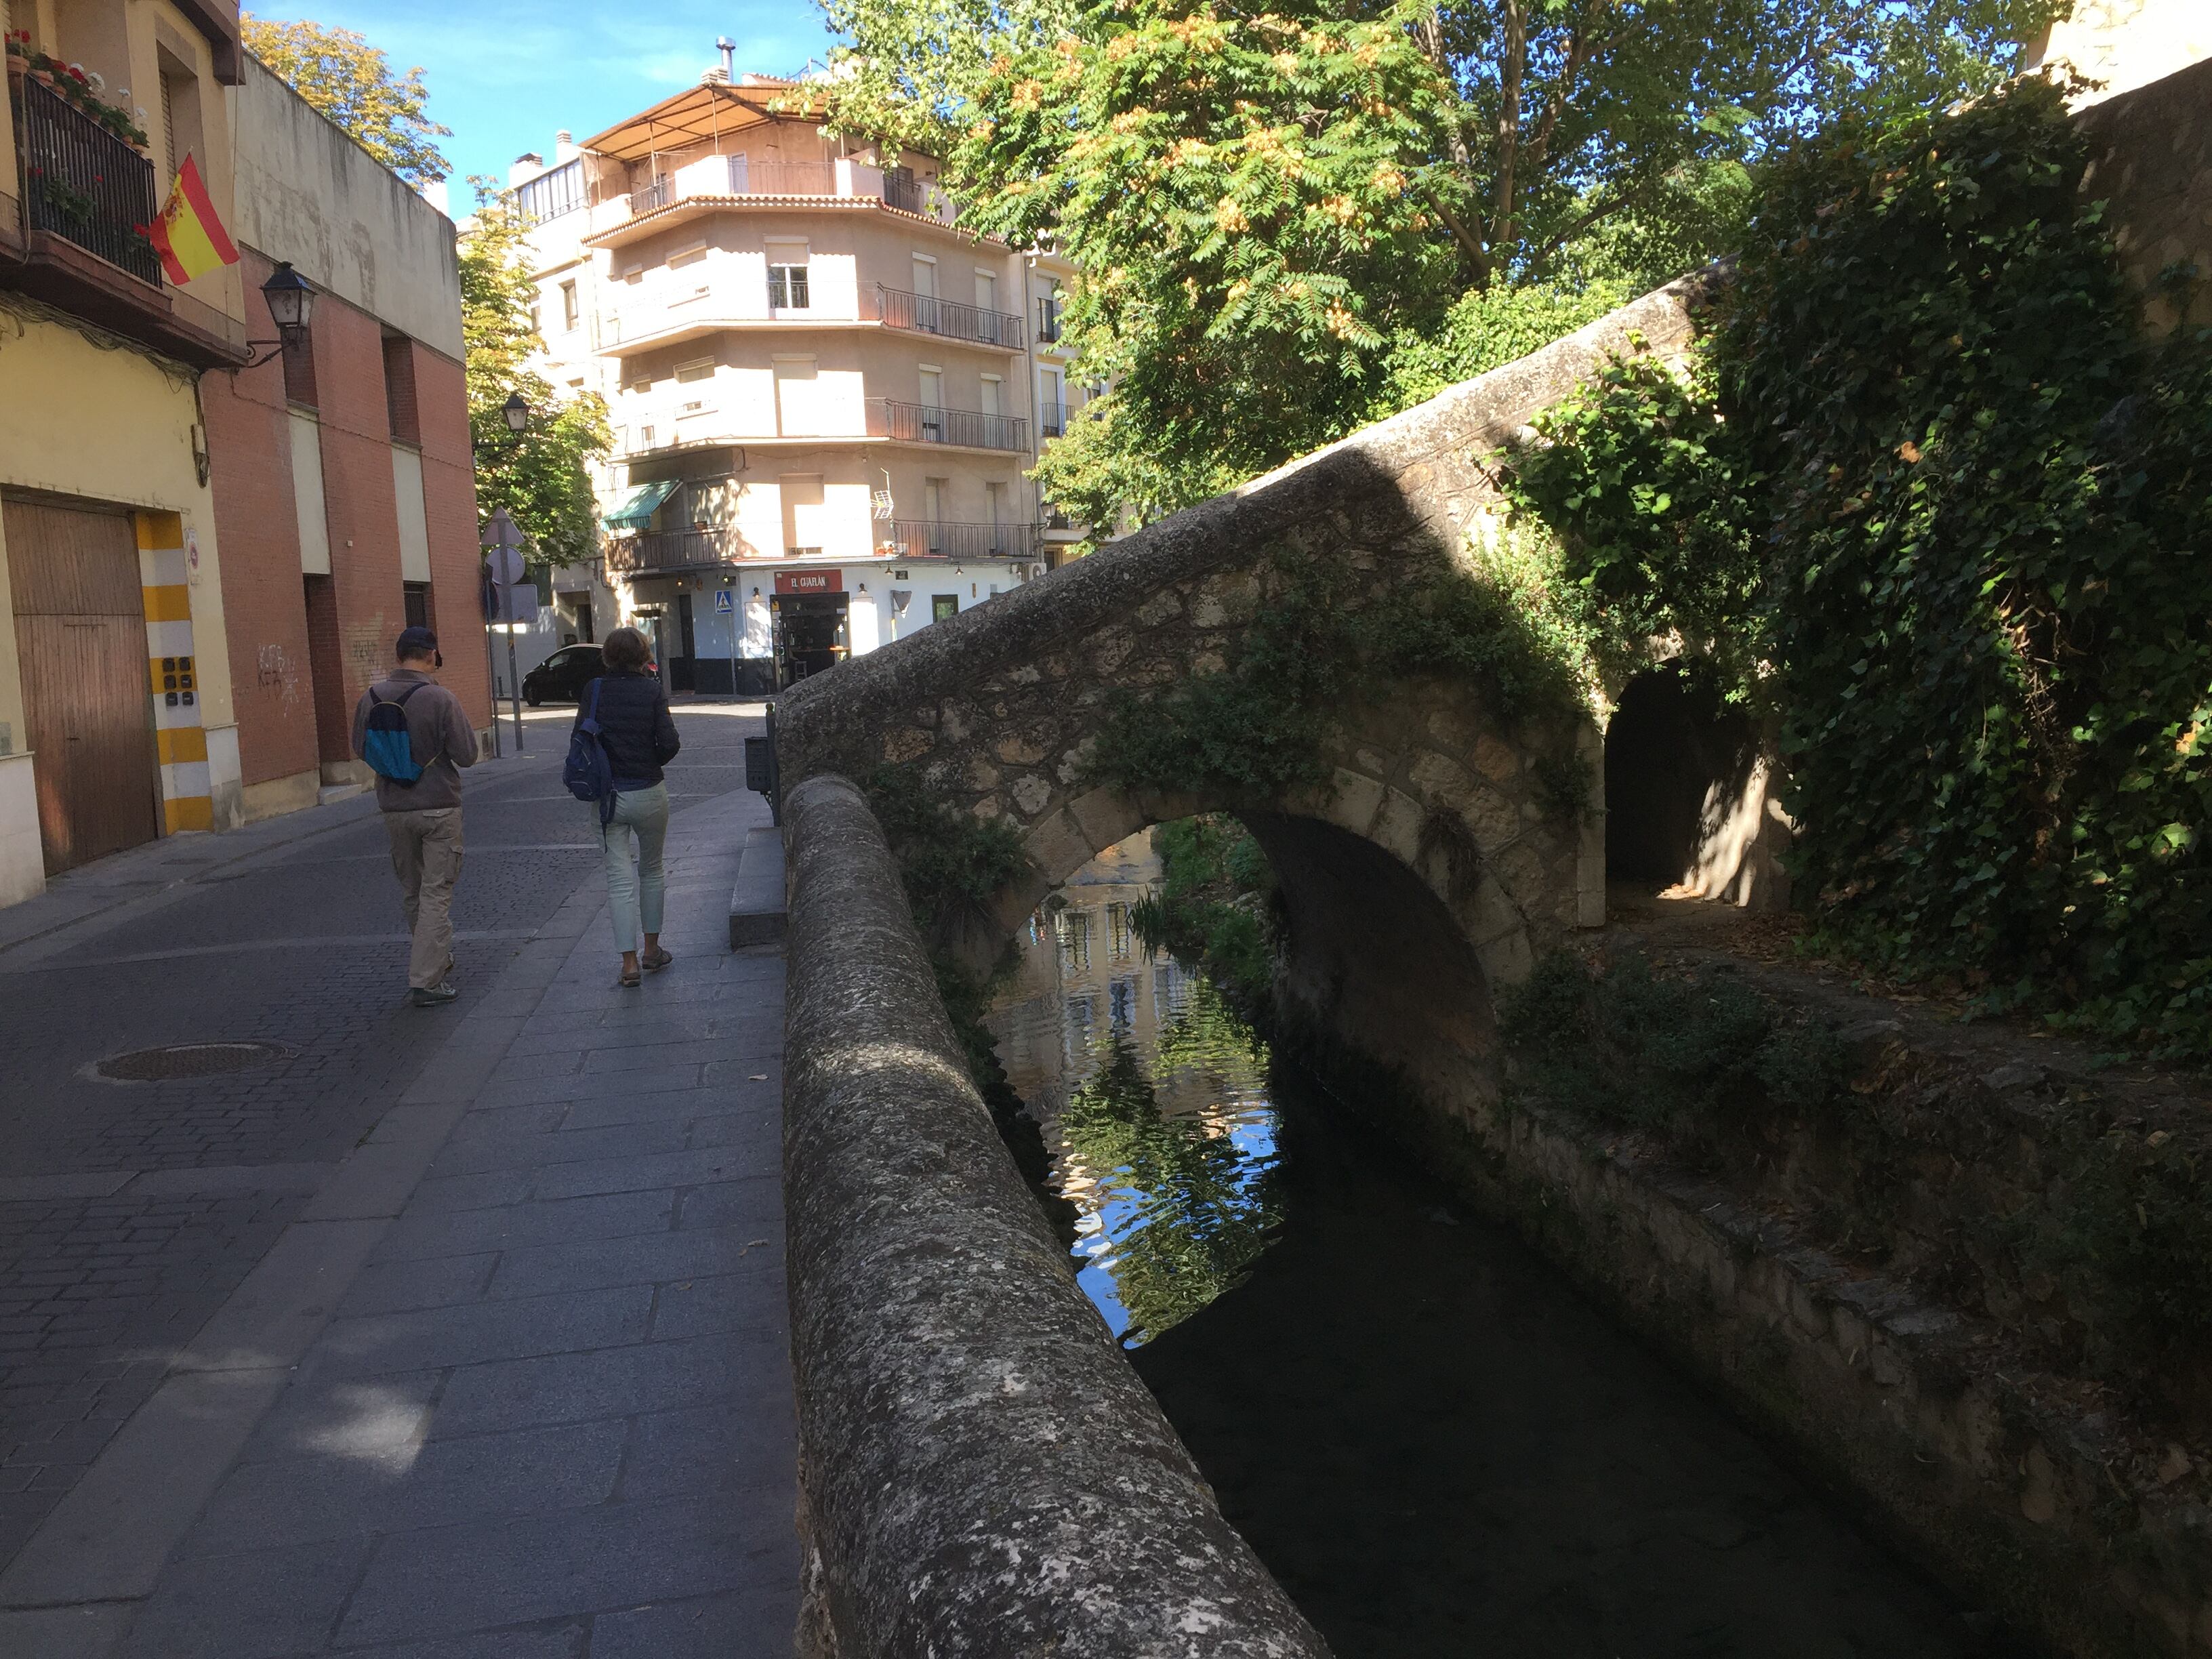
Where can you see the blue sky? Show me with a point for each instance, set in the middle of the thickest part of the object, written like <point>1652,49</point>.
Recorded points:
<point>505,76</point>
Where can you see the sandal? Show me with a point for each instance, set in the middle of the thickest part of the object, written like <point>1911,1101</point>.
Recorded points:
<point>653,963</point>
<point>630,978</point>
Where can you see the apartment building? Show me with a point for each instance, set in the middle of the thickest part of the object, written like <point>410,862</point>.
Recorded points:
<point>118,722</point>
<point>826,396</point>
<point>344,489</point>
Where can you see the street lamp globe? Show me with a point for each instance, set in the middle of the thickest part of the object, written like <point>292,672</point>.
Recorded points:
<point>291,301</point>
<point>515,412</point>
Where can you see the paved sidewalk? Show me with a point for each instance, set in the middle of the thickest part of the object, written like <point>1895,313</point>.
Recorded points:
<point>514,1380</point>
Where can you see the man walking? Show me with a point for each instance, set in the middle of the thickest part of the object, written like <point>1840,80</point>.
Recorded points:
<point>414,735</point>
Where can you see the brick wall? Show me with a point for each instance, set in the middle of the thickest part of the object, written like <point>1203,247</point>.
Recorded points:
<point>364,515</point>
<point>449,493</point>
<point>362,382</point>
<point>250,455</point>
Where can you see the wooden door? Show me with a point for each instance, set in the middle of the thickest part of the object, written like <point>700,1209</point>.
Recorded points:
<point>81,638</point>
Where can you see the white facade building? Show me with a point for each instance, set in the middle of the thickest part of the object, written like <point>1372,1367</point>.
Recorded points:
<point>825,397</point>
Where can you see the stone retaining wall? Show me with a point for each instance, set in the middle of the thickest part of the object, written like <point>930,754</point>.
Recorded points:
<point>982,1474</point>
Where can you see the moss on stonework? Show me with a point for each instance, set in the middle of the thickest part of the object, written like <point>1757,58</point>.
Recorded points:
<point>1502,621</point>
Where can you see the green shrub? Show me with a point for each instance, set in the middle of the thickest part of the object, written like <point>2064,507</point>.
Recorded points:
<point>1696,1057</point>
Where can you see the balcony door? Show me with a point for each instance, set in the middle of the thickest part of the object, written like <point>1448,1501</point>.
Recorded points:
<point>925,294</point>
<point>933,406</point>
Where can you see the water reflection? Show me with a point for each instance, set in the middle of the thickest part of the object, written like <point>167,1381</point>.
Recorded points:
<point>1152,1099</point>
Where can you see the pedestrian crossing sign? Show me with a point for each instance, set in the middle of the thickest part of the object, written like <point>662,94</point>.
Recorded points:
<point>723,604</point>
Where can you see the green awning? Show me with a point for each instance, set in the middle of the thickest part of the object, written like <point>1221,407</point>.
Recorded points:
<point>637,511</point>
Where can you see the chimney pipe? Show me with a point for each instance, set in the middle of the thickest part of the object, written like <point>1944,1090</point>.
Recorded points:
<point>728,48</point>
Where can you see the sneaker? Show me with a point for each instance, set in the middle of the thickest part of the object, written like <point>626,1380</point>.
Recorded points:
<point>435,996</point>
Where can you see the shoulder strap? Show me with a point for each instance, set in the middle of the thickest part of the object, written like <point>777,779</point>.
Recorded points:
<point>402,698</point>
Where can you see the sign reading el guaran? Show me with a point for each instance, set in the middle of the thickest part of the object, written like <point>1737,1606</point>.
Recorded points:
<point>810,581</point>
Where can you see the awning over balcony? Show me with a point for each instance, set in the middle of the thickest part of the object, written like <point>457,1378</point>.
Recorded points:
<point>637,512</point>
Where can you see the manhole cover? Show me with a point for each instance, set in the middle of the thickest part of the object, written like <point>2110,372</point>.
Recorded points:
<point>188,1059</point>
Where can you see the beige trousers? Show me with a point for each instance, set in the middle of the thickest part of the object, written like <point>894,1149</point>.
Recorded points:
<point>425,856</point>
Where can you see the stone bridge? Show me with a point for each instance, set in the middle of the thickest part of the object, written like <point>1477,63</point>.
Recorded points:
<point>1393,931</point>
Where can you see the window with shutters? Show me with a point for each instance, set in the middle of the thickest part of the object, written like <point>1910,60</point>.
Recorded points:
<point>571,312</point>
<point>787,277</point>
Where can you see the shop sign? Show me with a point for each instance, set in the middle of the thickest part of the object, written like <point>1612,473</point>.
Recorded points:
<point>810,581</point>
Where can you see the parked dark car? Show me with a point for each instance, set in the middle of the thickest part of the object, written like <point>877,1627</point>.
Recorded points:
<point>562,677</point>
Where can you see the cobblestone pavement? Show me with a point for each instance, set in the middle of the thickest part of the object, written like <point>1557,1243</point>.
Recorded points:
<point>131,1214</point>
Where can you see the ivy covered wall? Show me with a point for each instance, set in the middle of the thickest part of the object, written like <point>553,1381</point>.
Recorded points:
<point>1931,490</point>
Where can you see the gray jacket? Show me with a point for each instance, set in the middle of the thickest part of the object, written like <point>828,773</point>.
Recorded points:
<point>437,730</point>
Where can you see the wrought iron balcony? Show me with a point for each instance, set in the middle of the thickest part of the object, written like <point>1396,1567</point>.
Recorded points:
<point>927,423</point>
<point>901,192</point>
<point>86,186</point>
<point>935,538</point>
<point>926,314</point>
<point>654,198</point>
<point>681,550</point>
<point>1052,420</point>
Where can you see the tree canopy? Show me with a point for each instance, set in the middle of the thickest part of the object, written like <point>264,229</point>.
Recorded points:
<point>1264,208</point>
<point>351,81</point>
<point>542,477</point>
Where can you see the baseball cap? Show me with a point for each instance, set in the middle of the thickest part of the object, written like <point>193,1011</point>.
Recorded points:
<point>416,643</point>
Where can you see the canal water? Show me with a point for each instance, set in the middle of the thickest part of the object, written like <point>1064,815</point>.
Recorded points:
<point>1433,1441</point>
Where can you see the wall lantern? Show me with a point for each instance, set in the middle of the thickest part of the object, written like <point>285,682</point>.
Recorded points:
<point>291,307</point>
<point>514,412</point>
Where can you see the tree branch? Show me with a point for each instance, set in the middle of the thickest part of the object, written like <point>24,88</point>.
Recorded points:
<point>1603,211</point>
<point>1509,75</point>
<point>1466,238</point>
<point>1580,49</point>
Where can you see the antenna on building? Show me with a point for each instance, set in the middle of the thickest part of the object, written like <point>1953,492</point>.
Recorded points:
<point>728,48</point>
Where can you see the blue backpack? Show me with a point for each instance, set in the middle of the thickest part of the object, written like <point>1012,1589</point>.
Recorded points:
<point>385,744</point>
<point>588,771</point>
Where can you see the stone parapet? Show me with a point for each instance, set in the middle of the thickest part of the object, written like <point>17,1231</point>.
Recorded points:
<point>982,1474</point>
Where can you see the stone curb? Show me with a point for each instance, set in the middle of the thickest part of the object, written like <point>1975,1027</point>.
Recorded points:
<point>983,1473</point>
<point>756,903</point>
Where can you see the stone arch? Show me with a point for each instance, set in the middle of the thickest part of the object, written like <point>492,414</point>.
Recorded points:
<point>1690,784</point>
<point>998,710</point>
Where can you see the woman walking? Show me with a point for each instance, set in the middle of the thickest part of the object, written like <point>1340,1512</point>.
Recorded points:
<point>639,737</point>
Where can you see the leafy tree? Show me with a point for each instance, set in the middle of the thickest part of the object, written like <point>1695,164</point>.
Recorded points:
<point>351,81</point>
<point>541,476</point>
<point>1263,207</point>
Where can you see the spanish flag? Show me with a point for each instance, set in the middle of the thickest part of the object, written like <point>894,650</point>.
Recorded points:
<point>188,236</point>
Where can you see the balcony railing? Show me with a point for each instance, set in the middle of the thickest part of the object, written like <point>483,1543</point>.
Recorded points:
<point>743,175</point>
<point>663,550</point>
<point>927,423</point>
<point>1052,420</point>
<point>680,550</point>
<point>901,192</point>
<point>84,185</point>
<point>934,538</point>
<point>927,314</point>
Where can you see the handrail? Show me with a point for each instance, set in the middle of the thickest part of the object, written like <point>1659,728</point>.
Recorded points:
<point>927,424</point>
<point>927,314</point>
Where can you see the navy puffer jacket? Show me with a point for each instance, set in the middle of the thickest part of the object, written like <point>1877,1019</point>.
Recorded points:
<point>634,721</point>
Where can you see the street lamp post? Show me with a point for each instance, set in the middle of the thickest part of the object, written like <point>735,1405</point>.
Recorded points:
<point>503,570</point>
<point>503,564</point>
